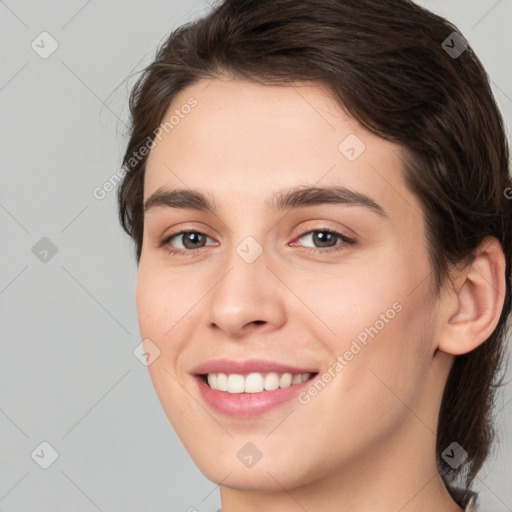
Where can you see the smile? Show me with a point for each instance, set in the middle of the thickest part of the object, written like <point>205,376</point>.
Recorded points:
<point>249,388</point>
<point>254,382</point>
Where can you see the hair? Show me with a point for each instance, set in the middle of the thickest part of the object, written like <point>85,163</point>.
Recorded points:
<point>385,63</point>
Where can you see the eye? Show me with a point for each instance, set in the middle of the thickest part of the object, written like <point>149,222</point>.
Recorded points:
<point>192,241</point>
<point>325,238</point>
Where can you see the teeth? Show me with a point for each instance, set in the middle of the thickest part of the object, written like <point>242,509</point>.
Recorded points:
<point>222,382</point>
<point>254,382</point>
<point>286,380</point>
<point>213,380</point>
<point>271,381</point>
<point>236,383</point>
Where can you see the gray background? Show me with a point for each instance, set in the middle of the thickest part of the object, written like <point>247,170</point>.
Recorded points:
<point>68,375</point>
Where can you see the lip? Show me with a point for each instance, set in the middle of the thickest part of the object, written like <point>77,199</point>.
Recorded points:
<point>248,366</point>
<point>248,405</point>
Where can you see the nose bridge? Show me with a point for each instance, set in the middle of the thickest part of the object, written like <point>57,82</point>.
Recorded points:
<point>247,290</point>
<point>248,235</point>
<point>247,273</point>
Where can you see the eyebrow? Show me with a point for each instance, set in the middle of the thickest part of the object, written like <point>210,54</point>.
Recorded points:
<point>296,197</point>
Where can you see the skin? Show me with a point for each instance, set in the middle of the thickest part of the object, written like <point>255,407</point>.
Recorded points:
<point>367,440</point>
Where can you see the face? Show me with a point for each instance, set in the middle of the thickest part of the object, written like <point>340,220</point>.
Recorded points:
<point>309,312</point>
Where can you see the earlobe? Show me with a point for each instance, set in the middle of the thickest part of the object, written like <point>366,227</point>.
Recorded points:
<point>477,301</point>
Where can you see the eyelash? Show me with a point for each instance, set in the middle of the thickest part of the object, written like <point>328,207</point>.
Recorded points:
<point>164,241</point>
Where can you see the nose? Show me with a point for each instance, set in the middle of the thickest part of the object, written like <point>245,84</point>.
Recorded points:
<point>247,298</point>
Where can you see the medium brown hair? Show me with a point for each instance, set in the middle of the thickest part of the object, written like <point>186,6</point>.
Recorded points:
<point>385,63</point>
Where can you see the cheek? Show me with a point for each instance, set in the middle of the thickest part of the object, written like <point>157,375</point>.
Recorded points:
<point>147,298</point>
<point>163,304</point>
<point>159,309</point>
<point>165,310</point>
<point>383,331</point>
<point>390,365</point>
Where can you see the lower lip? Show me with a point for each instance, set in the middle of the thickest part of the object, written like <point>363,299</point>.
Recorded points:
<point>246,405</point>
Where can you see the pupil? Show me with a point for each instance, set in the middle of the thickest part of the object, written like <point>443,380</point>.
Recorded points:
<point>323,236</point>
<point>189,237</point>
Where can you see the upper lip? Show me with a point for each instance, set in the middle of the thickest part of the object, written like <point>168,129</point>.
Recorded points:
<point>248,366</point>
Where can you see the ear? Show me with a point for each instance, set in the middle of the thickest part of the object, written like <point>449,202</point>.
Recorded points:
<point>471,309</point>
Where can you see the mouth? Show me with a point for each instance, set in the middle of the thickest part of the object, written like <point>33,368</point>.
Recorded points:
<point>247,389</point>
<point>254,382</point>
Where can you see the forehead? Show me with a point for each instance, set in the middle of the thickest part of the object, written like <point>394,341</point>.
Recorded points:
<point>242,140</point>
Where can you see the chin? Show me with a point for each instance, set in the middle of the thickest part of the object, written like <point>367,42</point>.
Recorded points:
<point>265,475</point>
